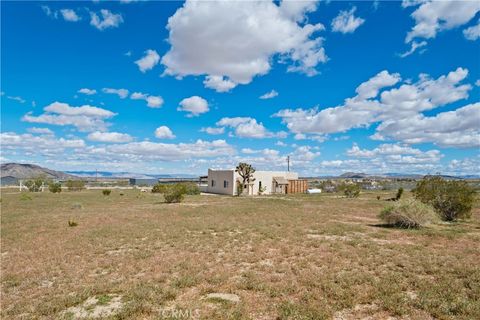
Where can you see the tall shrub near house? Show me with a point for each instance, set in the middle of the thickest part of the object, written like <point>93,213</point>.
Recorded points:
<point>452,200</point>
<point>55,187</point>
<point>35,185</point>
<point>350,190</point>
<point>175,193</point>
<point>245,171</point>
<point>75,185</point>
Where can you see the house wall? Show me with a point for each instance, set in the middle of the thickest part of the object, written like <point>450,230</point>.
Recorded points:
<point>219,177</point>
<point>265,177</point>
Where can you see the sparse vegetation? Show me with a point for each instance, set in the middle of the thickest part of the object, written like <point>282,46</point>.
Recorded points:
<point>175,193</point>
<point>452,200</point>
<point>190,188</point>
<point>408,214</point>
<point>55,187</point>
<point>72,223</point>
<point>25,197</point>
<point>160,188</point>
<point>317,256</point>
<point>75,185</point>
<point>350,190</point>
<point>106,192</point>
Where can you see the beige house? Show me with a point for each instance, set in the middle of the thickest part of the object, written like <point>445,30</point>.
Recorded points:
<point>225,182</point>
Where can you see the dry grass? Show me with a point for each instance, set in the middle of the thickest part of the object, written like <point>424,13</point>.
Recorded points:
<point>295,257</point>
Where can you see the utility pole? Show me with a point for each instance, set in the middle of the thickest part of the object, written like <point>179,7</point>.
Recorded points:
<point>288,163</point>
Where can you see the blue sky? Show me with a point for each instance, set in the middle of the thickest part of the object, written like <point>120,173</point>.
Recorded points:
<point>176,87</point>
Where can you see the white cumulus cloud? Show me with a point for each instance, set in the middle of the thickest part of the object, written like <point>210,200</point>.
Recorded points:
<point>70,15</point>
<point>346,22</point>
<point>122,93</point>
<point>87,91</point>
<point>240,40</point>
<point>105,20</point>
<point>164,132</point>
<point>397,110</point>
<point>148,61</point>
<point>84,118</point>
<point>432,17</point>
<point>195,105</point>
<point>472,33</point>
<point>246,127</point>
<point>269,95</point>
<point>109,137</point>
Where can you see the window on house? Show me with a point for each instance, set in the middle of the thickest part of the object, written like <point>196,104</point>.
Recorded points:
<point>259,185</point>
<point>213,183</point>
<point>225,183</point>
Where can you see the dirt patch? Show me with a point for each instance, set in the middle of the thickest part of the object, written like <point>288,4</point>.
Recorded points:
<point>361,311</point>
<point>229,297</point>
<point>96,307</point>
<point>328,237</point>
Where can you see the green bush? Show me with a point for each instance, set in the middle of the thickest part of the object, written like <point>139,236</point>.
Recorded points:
<point>408,214</point>
<point>159,188</point>
<point>106,192</point>
<point>452,200</point>
<point>55,187</point>
<point>191,188</point>
<point>175,193</point>
<point>350,190</point>
<point>399,194</point>
<point>35,185</point>
<point>75,185</point>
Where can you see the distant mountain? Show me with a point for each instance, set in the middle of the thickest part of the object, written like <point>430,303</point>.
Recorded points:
<point>28,171</point>
<point>358,175</point>
<point>124,174</point>
<point>353,175</point>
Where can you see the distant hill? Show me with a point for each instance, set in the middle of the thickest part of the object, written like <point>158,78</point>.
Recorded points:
<point>10,171</point>
<point>353,175</point>
<point>108,174</point>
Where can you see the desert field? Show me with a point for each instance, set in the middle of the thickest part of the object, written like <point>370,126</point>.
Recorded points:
<point>132,256</point>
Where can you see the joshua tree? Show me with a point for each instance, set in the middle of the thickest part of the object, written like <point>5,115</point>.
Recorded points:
<point>245,171</point>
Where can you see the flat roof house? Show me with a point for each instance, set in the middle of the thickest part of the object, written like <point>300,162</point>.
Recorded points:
<point>270,182</point>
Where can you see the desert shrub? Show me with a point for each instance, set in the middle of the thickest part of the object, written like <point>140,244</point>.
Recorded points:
<point>159,188</point>
<point>55,187</point>
<point>378,197</point>
<point>408,214</point>
<point>399,194</point>
<point>350,190</point>
<point>72,223</point>
<point>191,188</point>
<point>106,192</point>
<point>25,197</point>
<point>175,193</point>
<point>122,194</point>
<point>34,185</point>
<point>75,185</point>
<point>452,200</point>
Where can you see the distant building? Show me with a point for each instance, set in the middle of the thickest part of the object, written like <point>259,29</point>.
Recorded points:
<point>266,182</point>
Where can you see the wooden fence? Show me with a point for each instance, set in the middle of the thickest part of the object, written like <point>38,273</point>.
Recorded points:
<point>297,186</point>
